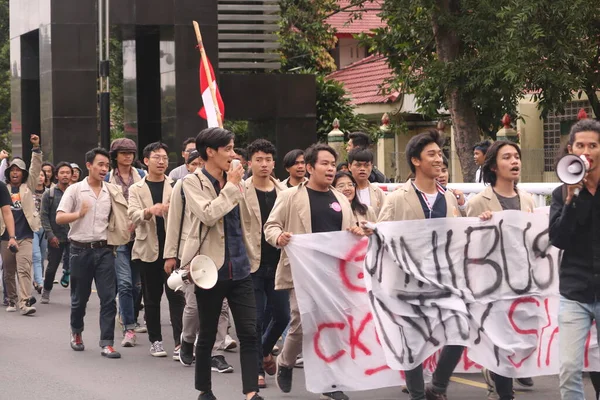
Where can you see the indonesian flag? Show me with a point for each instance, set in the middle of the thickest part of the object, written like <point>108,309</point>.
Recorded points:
<point>209,112</point>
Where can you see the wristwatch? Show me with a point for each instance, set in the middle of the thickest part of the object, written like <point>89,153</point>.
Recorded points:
<point>12,237</point>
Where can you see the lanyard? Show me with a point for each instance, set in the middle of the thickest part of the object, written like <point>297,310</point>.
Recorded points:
<point>440,189</point>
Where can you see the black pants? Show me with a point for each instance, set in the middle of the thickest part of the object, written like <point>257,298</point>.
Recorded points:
<point>449,358</point>
<point>269,330</point>
<point>504,386</point>
<point>55,255</point>
<point>240,295</point>
<point>155,281</point>
<point>97,265</point>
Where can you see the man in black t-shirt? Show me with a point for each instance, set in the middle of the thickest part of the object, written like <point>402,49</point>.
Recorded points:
<point>311,207</point>
<point>148,206</point>
<point>261,193</point>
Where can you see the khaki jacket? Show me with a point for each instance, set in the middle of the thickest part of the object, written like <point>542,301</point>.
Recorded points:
<point>403,204</point>
<point>174,222</point>
<point>285,181</point>
<point>118,222</point>
<point>487,201</point>
<point>26,191</point>
<point>291,213</point>
<point>145,247</point>
<point>357,219</point>
<point>250,214</point>
<point>206,206</point>
<point>377,198</point>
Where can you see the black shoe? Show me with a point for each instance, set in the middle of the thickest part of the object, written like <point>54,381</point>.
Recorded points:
<point>257,397</point>
<point>77,342</point>
<point>525,382</point>
<point>284,378</point>
<point>186,353</point>
<point>431,394</point>
<point>207,396</point>
<point>31,301</point>
<point>218,364</point>
<point>334,396</point>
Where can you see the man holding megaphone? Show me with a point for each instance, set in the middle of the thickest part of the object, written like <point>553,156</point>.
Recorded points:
<point>575,228</point>
<point>214,196</point>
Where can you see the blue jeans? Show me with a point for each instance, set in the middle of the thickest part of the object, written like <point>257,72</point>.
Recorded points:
<point>128,285</point>
<point>574,323</point>
<point>40,247</point>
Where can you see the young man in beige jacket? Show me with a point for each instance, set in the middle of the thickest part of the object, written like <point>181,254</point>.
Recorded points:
<point>148,207</point>
<point>214,196</point>
<point>261,193</point>
<point>425,198</point>
<point>311,207</point>
<point>501,170</point>
<point>21,184</point>
<point>97,214</point>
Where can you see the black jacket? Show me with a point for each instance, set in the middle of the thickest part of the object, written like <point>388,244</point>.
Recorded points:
<point>575,228</point>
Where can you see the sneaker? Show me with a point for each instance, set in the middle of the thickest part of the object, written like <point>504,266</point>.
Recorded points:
<point>77,342</point>
<point>38,288</point>
<point>269,365</point>
<point>431,394</point>
<point>218,364</point>
<point>207,396</point>
<point>11,307</point>
<point>186,353</point>
<point>140,328</point>
<point>176,356</point>
<point>110,352</point>
<point>129,339</point>
<point>157,349</point>
<point>334,395</point>
<point>45,297</point>
<point>299,362</point>
<point>30,301</point>
<point>55,282</point>
<point>262,384</point>
<point>276,350</point>
<point>525,382</point>
<point>284,378</point>
<point>229,344</point>
<point>64,281</point>
<point>489,380</point>
<point>26,310</point>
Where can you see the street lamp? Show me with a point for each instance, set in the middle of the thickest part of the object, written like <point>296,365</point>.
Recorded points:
<point>103,67</point>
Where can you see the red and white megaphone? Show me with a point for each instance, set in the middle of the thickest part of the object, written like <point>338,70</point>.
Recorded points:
<point>571,169</point>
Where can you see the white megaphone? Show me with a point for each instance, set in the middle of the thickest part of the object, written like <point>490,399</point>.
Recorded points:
<point>178,279</point>
<point>571,169</point>
<point>204,272</point>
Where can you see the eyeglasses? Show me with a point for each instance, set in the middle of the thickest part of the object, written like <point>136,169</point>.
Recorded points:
<point>160,158</point>
<point>342,186</point>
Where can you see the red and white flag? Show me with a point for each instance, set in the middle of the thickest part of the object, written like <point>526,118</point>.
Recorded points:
<point>209,111</point>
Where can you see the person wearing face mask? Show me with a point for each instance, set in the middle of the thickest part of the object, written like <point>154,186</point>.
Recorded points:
<point>311,207</point>
<point>17,250</point>
<point>424,198</point>
<point>501,170</point>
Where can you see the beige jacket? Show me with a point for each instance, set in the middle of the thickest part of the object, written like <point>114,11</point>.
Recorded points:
<point>377,198</point>
<point>370,217</point>
<point>174,222</point>
<point>206,206</point>
<point>118,222</point>
<point>291,213</point>
<point>145,247</point>
<point>285,181</point>
<point>487,201</point>
<point>403,204</point>
<point>250,214</point>
<point>26,191</point>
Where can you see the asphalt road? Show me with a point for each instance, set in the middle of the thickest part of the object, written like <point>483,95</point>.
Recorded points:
<point>36,362</point>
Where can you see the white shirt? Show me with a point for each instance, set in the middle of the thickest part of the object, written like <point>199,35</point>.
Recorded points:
<point>431,198</point>
<point>179,172</point>
<point>364,195</point>
<point>93,227</point>
<point>478,177</point>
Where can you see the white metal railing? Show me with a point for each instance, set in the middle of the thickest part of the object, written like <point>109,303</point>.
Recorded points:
<point>539,190</point>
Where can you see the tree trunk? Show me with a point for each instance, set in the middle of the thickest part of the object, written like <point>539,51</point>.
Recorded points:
<point>464,118</point>
<point>594,102</point>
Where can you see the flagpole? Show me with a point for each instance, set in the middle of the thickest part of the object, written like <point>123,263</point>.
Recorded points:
<point>211,86</point>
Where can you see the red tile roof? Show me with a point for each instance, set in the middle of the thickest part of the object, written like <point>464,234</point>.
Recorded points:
<point>363,80</point>
<point>369,19</point>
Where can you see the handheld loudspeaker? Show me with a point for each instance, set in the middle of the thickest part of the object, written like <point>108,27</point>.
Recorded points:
<point>203,272</point>
<point>571,169</point>
<point>178,279</point>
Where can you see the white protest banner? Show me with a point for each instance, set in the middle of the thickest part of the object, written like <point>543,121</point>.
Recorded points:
<point>490,286</point>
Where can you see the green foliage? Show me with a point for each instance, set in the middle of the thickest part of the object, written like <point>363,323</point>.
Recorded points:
<point>332,103</point>
<point>304,37</point>
<point>117,112</point>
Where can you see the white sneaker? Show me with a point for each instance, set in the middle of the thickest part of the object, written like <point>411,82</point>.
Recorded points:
<point>140,328</point>
<point>229,343</point>
<point>489,380</point>
<point>157,349</point>
<point>11,307</point>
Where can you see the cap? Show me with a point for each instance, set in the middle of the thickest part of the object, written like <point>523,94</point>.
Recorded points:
<point>124,145</point>
<point>192,156</point>
<point>73,165</point>
<point>21,165</point>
